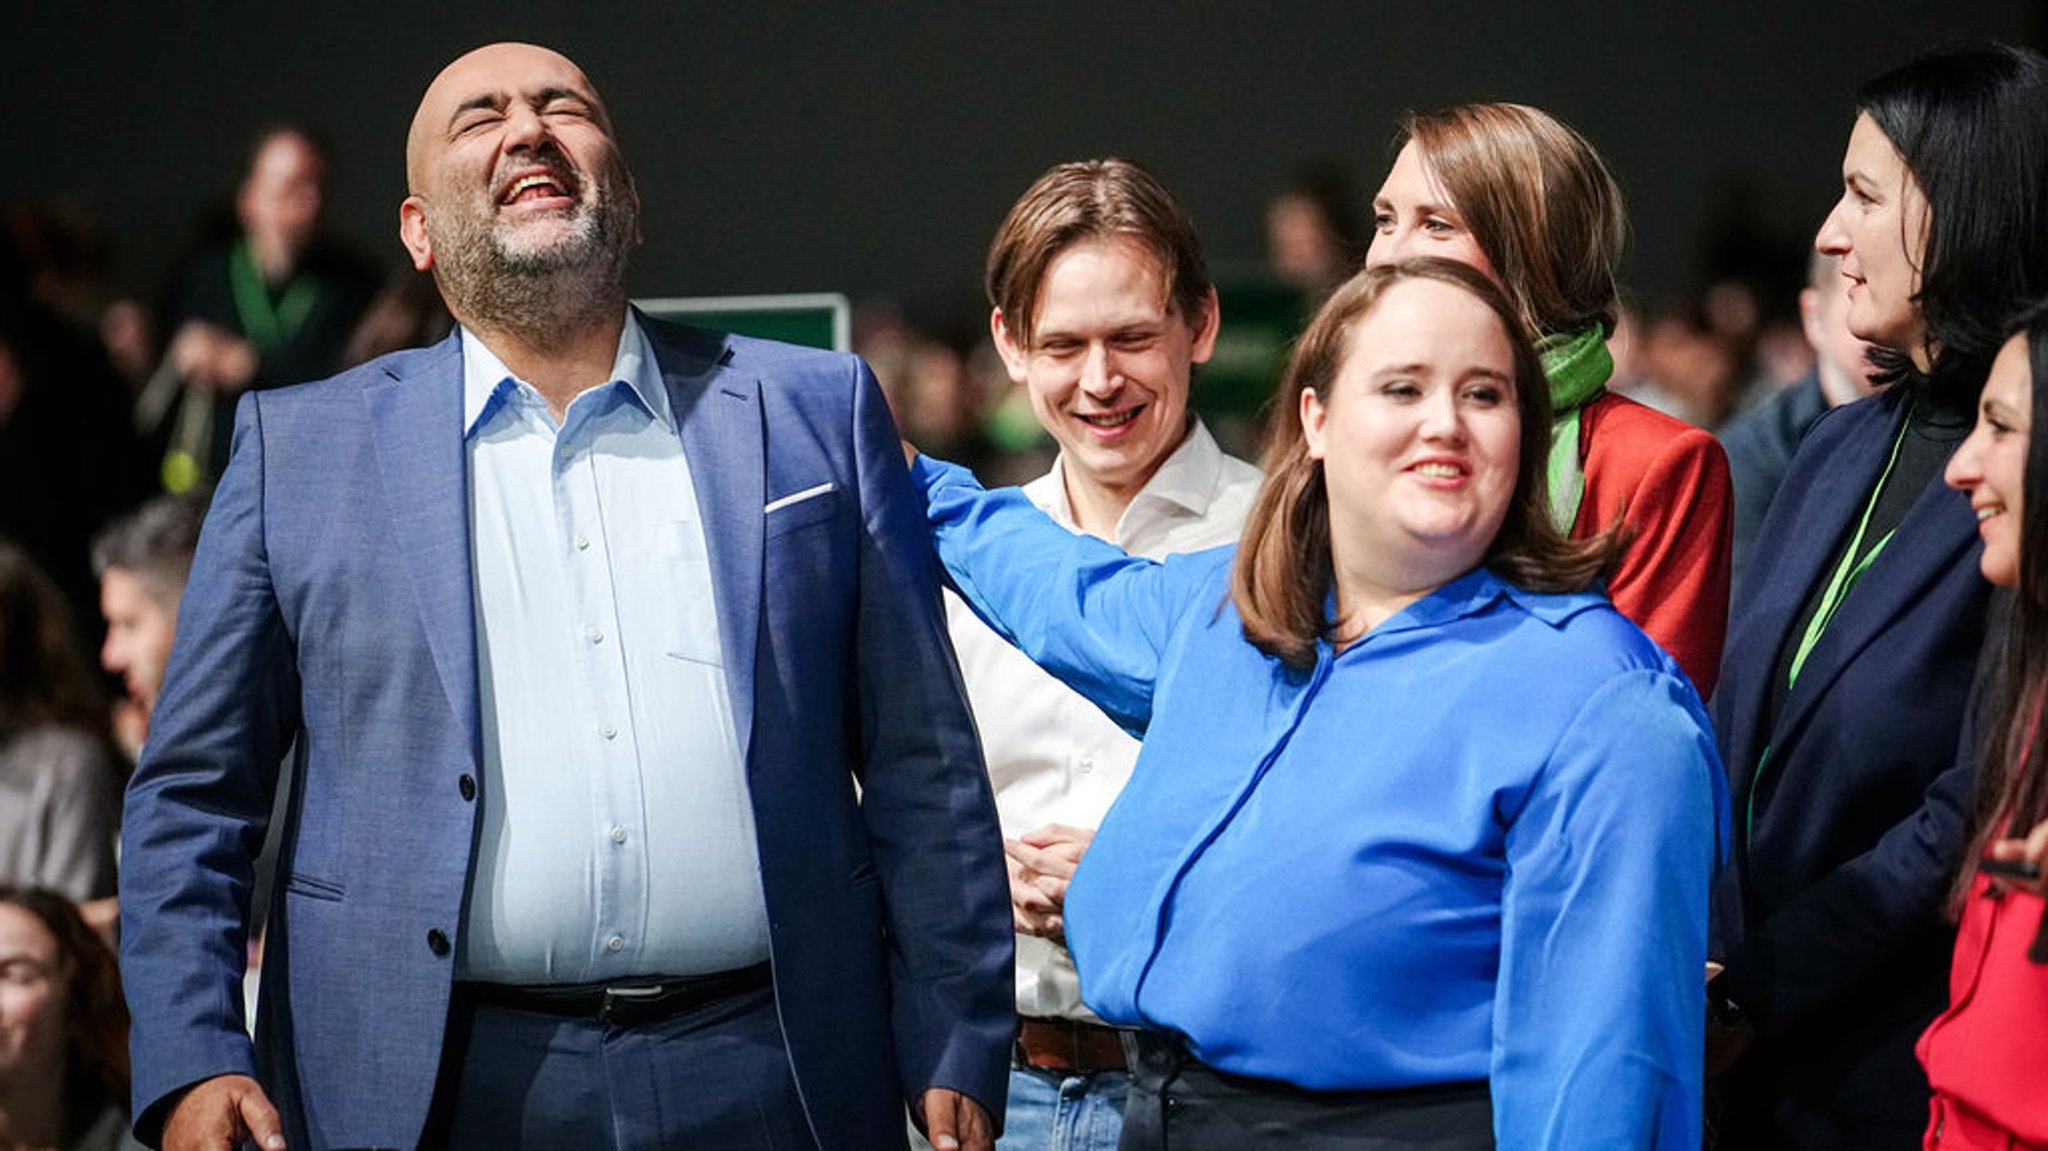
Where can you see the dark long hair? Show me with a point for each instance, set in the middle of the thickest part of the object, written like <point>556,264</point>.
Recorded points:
<point>1283,573</point>
<point>44,676</point>
<point>1971,124</point>
<point>2012,784</point>
<point>95,1015</point>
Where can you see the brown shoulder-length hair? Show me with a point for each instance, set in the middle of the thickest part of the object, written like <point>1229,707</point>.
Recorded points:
<point>1540,203</point>
<point>1092,200</point>
<point>1282,577</point>
<point>95,1015</point>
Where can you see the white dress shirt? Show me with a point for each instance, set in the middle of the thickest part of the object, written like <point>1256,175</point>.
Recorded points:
<point>1052,756</point>
<point>618,835</point>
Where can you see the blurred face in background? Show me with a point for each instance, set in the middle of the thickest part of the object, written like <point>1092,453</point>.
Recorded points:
<point>139,634</point>
<point>1843,368</point>
<point>1879,229</point>
<point>32,995</point>
<point>1991,465</point>
<point>280,202</point>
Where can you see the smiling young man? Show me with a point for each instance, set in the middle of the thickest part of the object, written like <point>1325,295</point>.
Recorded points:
<point>585,627</point>
<point>1102,308</point>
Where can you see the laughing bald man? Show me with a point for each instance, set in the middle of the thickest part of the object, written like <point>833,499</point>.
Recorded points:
<point>637,803</point>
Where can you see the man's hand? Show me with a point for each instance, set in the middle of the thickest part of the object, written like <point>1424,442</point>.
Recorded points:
<point>952,1122</point>
<point>220,1114</point>
<point>1042,863</point>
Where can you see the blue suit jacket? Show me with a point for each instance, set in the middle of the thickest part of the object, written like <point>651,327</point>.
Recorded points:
<point>1847,838</point>
<point>331,602</point>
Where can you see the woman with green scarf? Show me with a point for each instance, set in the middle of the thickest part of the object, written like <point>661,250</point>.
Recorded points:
<point>1522,197</point>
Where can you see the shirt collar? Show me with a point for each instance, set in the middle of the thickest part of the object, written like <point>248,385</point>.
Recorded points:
<point>1186,479</point>
<point>486,379</point>
<point>1478,590</point>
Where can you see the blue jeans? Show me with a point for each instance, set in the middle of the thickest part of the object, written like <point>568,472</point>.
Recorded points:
<point>1052,1111</point>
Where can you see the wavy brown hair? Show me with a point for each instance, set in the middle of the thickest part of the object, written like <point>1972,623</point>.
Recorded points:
<point>1282,578</point>
<point>95,1015</point>
<point>1092,200</point>
<point>1539,202</point>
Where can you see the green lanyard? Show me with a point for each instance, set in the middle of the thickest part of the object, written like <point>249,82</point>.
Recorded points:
<point>268,325</point>
<point>1847,571</point>
<point>1850,568</point>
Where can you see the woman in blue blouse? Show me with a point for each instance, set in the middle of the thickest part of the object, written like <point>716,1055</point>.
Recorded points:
<point>1419,844</point>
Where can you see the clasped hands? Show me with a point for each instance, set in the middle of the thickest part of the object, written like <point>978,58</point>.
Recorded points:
<point>1041,865</point>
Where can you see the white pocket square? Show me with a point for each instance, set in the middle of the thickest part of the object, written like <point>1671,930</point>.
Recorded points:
<point>798,497</point>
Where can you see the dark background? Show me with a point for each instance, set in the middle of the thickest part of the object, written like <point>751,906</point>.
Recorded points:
<point>805,146</point>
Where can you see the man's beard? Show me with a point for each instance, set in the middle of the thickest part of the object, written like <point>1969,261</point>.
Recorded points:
<point>500,277</point>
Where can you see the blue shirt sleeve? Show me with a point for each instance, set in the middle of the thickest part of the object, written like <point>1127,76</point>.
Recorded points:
<point>1600,1007</point>
<point>1084,610</point>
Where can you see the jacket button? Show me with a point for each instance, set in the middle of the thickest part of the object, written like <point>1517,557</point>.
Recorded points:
<point>437,941</point>
<point>467,785</point>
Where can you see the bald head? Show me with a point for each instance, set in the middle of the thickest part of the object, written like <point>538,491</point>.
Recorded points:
<point>488,80</point>
<point>519,201</point>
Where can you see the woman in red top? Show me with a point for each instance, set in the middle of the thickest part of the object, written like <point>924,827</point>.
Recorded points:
<point>1987,1056</point>
<point>1517,194</point>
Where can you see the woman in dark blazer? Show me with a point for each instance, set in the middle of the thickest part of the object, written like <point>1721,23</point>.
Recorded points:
<point>1842,693</point>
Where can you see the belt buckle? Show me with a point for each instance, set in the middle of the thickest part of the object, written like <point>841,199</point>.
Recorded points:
<point>624,997</point>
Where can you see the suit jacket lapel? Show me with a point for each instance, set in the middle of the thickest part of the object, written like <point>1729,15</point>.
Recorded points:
<point>718,412</point>
<point>1931,543</point>
<point>416,424</point>
<point>1842,486</point>
<point>1851,453</point>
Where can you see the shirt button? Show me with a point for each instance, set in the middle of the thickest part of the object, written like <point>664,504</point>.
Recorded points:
<point>1086,763</point>
<point>608,731</point>
<point>595,635</point>
<point>467,786</point>
<point>614,944</point>
<point>582,543</point>
<point>618,835</point>
<point>437,942</point>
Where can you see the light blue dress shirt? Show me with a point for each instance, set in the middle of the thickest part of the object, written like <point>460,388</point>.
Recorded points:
<point>1476,844</point>
<point>618,834</point>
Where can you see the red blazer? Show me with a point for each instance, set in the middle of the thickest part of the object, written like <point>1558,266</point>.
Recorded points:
<point>1668,481</point>
<point>1988,1051</point>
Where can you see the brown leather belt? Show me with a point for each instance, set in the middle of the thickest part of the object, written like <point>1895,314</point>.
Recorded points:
<point>1069,1045</point>
<point>627,1003</point>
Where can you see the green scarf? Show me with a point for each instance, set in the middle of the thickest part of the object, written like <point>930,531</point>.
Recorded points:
<point>266,323</point>
<point>1577,364</point>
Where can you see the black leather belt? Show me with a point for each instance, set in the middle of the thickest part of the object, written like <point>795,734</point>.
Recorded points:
<point>626,1003</point>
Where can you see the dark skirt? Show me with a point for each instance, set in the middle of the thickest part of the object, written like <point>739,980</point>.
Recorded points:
<point>1178,1103</point>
